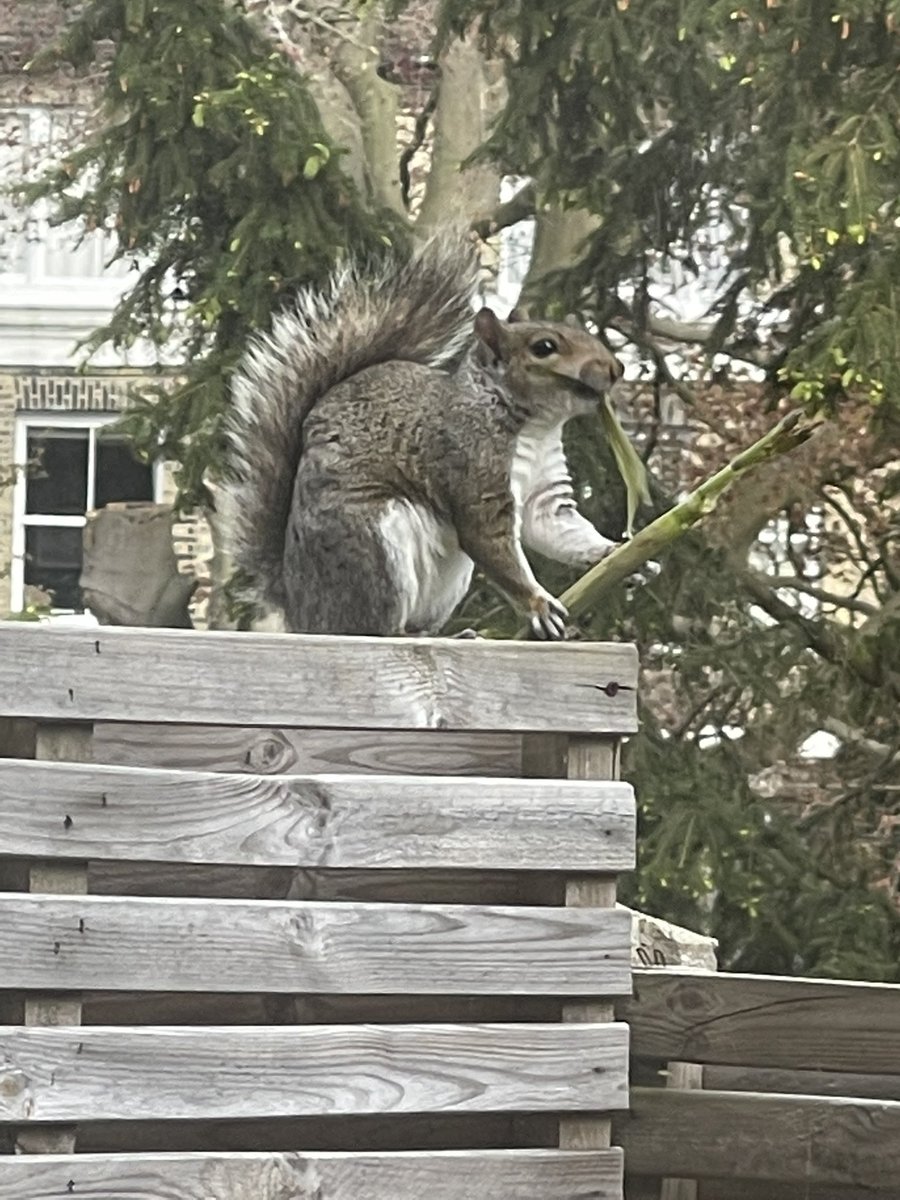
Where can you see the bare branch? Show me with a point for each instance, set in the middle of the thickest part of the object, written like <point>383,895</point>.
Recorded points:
<point>855,737</point>
<point>517,208</point>
<point>796,584</point>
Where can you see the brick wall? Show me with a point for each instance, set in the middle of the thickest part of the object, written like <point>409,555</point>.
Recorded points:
<point>26,27</point>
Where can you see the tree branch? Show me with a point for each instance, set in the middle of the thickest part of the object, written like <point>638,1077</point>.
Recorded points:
<point>518,207</point>
<point>698,333</point>
<point>795,583</point>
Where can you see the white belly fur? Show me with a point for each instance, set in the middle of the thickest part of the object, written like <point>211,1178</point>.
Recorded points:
<point>536,438</point>
<point>431,571</point>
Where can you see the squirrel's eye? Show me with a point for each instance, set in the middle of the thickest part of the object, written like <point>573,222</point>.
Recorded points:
<point>544,348</point>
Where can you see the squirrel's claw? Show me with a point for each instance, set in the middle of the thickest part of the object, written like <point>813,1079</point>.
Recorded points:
<point>548,619</point>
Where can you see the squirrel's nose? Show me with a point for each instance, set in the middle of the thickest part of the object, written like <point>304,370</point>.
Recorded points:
<point>601,374</point>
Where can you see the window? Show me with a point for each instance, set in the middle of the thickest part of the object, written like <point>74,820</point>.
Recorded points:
<point>32,250</point>
<point>73,463</point>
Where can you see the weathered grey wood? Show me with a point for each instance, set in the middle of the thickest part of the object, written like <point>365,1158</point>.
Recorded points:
<point>647,1188</point>
<point>170,1073</point>
<point>303,751</point>
<point>444,1130</point>
<point>803,1083</point>
<point>17,738</point>
<point>746,1135</point>
<point>685,1076</point>
<point>428,886</point>
<point>765,1021</point>
<point>451,1175</point>
<point>184,677</point>
<point>55,743</point>
<point>589,758</point>
<point>243,1008</point>
<point>313,821</point>
<point>95,942</point>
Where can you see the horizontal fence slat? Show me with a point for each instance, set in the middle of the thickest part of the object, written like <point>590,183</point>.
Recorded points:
<point>102,1073</point>
<point>452,886</point>
<point>95,943</point>
<point>750,1135</point>
<point>96,812</point>
<point>302,751</point>
<point>736,1190</point>
<point>647,1188</point>
<point>448,1175</point>
<point>765,1021</point>
<point>219,678</point>
<point>802,1083</point>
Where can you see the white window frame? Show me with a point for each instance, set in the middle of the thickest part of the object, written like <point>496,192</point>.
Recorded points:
<point>98,281</point>
<point>21,521</point>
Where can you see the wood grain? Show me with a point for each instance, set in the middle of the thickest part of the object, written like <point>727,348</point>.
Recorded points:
<point>803,1083</point>
<point>308,751</point>
<point>647,1188</point>
<point>765,1021</point>
<point>743,1135</point>
<point>452,1175</point>
<point>375,1133</point>
<point>95,942</point>
<point>103,812</point>
<point>589,758</point>
<point>171,1073</point>
<point>429,886</point>
<point>244,1008</point>
<point>55,743</point>
<point>218,678</point>
<point>686,1076</point>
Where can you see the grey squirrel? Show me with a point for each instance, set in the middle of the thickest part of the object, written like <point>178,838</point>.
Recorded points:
<point>385,440</point>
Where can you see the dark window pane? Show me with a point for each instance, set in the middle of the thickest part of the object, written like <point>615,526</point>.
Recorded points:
<point>119,474</point>
<point>56,474</point>
<point>53,563</point>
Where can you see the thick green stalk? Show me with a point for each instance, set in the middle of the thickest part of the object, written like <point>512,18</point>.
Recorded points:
<point>790,432</point>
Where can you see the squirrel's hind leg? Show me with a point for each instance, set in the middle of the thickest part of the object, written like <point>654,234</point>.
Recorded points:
<point>338,577</point>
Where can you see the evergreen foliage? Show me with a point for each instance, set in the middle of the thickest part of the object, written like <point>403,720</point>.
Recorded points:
<point>753,146</point>
<point>759,139</point>
<point>212,167</point>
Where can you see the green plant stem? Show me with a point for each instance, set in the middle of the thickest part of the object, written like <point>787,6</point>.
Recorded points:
<point>792,431</point>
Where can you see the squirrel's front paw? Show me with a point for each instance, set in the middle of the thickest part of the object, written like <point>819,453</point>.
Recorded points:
<point>548,618</point>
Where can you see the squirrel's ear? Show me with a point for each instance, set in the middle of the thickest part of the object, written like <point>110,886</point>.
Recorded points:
<point>517,314</point>
<point>489,330</point>
<point>572,320</point>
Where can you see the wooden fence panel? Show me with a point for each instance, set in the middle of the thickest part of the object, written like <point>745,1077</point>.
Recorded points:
<point>102,1073</point>
<point>185,677</point>
<point>741,1135</point>
<point>95,942</point>
<point>802,1083</point>
<point>309,751</point>
<point>451,1175</point>
<point>116,813</point>
<point>765,1021</point>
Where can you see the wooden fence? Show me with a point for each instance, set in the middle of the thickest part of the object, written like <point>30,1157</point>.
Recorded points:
<point>291,917</point>
<point>780,1089</point>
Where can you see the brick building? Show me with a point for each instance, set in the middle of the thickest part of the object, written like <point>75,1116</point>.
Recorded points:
<point>55,415</point>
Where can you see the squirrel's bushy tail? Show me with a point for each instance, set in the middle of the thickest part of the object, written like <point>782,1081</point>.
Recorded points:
<point>417,309</point>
